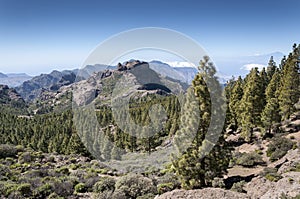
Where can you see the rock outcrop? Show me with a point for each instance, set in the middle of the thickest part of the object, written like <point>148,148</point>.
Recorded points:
<point>31,89</point>
<point>9,94</point>
<point>207,193</point>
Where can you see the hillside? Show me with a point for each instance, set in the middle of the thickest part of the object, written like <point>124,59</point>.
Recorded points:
<point>30,89</point>
<point>11,101</point>
<point>85,137</point>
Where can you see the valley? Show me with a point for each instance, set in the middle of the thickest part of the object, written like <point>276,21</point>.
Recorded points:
<point>85,133</point>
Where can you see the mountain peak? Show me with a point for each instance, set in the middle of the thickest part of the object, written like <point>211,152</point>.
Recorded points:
<point>2,75</point>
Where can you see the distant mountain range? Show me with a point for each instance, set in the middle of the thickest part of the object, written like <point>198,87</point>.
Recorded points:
<point>13,79</point>
<point>3,75</point>
<point>31,87</point>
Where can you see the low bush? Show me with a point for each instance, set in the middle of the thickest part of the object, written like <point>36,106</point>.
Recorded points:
<point>43,191</point>
<point>279,147</point>
<point>80,188</point>
<point>270,174</point>
<point>163,188</point>
<point>134,185</point>
<point>238,186</point>
<point>24,189</point>
<point>104,184</point>
<point>9,151</point>
<point>54,196</point>
<point>25,157</point>
<point>249,159</point>
<point>15,195</point>
<point>273,177</point>
<point>63,188</point>
<point>218,183</point>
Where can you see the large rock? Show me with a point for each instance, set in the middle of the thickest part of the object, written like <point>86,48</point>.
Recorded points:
<point>288,185</point>
<point>206,193</point>
<point>258,187</point>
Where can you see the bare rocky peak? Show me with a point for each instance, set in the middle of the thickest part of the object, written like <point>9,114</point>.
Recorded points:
<point>9,94</point>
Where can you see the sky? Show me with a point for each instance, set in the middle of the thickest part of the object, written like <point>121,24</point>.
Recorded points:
<point>39,36</point>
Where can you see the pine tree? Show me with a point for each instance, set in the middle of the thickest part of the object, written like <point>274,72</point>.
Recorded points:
<point>271,68</point>
<point>251,104</point>
<point>197,167</point>
<point>234,101</point>
<point>290,81</point>
<point>265,81</point>
<point>270,114</point>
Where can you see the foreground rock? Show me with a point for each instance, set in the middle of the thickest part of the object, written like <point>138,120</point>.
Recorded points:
<point>203,194</point>
<point>288,185</point>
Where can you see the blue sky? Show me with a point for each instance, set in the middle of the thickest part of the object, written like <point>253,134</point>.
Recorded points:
<point>38,36</point>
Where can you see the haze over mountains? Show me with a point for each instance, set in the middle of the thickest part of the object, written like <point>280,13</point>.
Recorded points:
<point>31,87</point>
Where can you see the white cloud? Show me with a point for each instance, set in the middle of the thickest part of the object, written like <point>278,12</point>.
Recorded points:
<point>181,64</point>
<point>250,66</point>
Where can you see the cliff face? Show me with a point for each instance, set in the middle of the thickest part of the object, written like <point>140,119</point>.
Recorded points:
<point>9,94</point>
<point>11,101</point>
<point>31,89</point>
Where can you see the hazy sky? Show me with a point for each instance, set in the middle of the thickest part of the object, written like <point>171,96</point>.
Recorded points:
<point>38,36</point>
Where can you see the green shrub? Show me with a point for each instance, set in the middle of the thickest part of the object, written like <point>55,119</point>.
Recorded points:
<point>6,188</point>
<point>270,174</point>
<point>63,170</point>
<point>90,182</point>
<point>43,191</point>
<point>134,185</point>
<point>218,183</point>
<point>16,195</point>
<point>24,189</point>
<point>249,159</point>
<point>54,196</point>
<point>63,188</point>
<point>238,186</point>
<point>278,147</point>
<point>8,151</point>
<point>25,157</point>
<point>268,170</point>
<point>273,177</point>
<point>4,172</point>
<point>163,188</point>
<point>80,188</point>
<point>104,184</point>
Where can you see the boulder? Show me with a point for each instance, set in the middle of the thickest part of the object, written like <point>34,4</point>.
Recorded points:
<point>202,194</point>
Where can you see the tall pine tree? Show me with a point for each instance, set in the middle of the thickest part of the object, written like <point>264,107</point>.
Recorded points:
<point>270,114</point>
<point>194,169</point>
<point>252,103</point>
<point>234,100</point>
<point>290,81</point>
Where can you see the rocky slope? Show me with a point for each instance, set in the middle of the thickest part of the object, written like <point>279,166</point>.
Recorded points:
<point>11,101</point>
<point>203,194</point>
<point>9,95</point>
<point>263,179</point>
<point>98,87</point>
<point>30,89</point>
